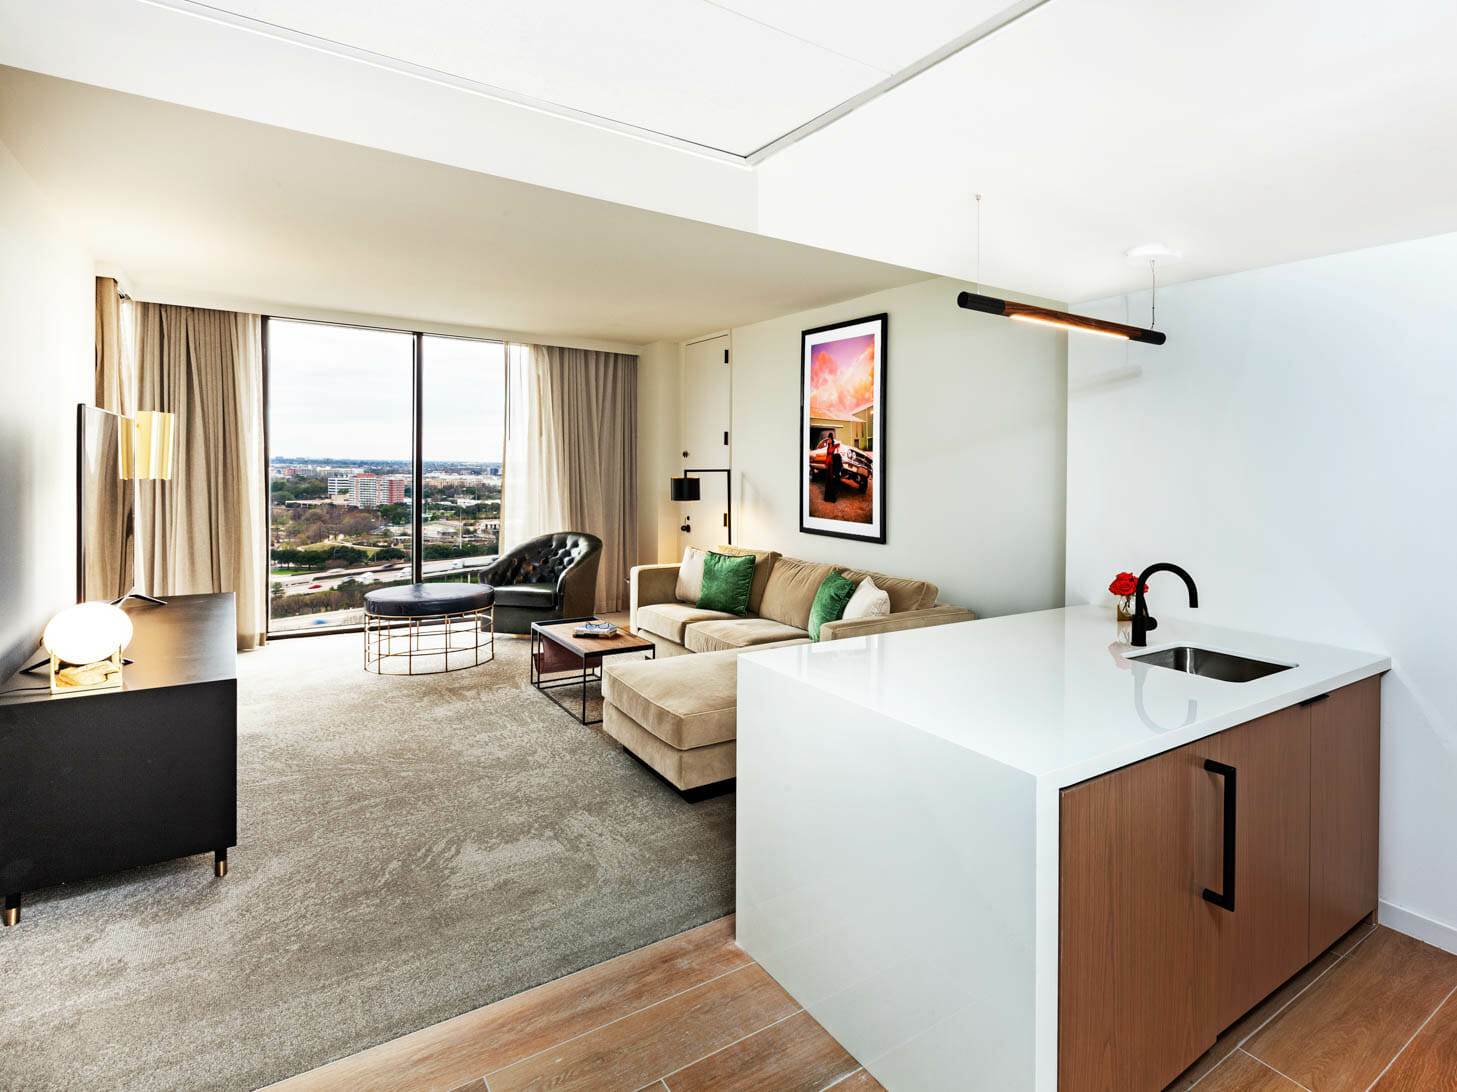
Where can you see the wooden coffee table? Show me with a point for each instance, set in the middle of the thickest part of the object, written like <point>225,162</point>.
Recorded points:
<point>555,650</point>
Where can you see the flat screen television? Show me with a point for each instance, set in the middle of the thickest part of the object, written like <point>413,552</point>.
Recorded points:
<point>105,505</point>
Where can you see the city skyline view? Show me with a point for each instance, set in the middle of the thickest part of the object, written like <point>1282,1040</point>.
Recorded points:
<point>342,506</point>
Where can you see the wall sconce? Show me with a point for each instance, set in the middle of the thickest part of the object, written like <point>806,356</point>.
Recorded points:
<point>85,643</point>
<point>686,489</point>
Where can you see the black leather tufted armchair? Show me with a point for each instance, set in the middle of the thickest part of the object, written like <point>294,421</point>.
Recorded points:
<point>552,576</point>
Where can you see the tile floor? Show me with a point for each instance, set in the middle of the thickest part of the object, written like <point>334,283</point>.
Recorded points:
<point>1375,1012</point>
<point>694,1012</point>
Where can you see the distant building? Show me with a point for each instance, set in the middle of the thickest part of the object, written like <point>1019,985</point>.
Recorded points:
<point>368,490</point>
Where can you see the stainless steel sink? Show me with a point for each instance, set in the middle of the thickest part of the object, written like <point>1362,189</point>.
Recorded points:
<point>1224,666</point>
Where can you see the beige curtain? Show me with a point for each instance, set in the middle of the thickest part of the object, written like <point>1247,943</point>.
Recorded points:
<point>203,531</point>
<point>571,454</point>
<point>115,386</point>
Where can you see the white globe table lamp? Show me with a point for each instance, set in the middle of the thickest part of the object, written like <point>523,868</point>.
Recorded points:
<point>85,643</point>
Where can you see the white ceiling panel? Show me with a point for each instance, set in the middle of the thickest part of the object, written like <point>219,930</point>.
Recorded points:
<point>691,69</point>
<point>211,210</point>
<point>889,37</point>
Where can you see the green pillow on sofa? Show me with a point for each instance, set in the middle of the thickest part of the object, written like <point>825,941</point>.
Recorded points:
<point>726,582</point>
<point>829,605</point>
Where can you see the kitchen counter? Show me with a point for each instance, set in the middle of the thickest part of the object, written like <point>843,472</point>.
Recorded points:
<point>898,811</point>
<point>1053,694</point>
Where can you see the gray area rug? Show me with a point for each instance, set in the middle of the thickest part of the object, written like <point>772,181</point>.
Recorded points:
<point>409,849</point>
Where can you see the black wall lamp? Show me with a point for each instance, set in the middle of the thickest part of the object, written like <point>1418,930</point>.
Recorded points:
<point>686,489</point>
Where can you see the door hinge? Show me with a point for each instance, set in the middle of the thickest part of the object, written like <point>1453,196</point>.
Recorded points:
<point>725,356</point>
<point>725,439</point>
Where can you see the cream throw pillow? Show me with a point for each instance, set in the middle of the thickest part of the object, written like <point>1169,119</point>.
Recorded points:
<point>867,602</point>
<point>690,576</point>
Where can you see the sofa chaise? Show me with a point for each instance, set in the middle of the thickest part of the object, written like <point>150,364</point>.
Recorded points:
<point>678,713</point>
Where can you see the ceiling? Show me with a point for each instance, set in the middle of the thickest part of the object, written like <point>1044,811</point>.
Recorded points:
<point>727,75</point>
<point>1244,133</point>
<point>200,208</point>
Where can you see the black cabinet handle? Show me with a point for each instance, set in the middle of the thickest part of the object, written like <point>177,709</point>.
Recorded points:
<point>1312,701</point>
<point>1225,899</point>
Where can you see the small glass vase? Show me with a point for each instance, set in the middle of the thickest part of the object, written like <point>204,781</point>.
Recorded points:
<point>1125,619</point>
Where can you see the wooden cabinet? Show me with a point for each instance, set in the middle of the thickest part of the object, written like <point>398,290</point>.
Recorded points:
<point>1151,970</point>
<point>1133,931</point>
<point>1265,939</point>
<point>1345,774</point>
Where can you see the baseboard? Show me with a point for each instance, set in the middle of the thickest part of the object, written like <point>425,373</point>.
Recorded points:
<point>1436,933</point>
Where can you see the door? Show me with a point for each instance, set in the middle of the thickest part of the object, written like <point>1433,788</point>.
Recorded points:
<point>1264,939</point>
<point>707,393</point>
<point>1134,1010</point>
<point>1345,775</point>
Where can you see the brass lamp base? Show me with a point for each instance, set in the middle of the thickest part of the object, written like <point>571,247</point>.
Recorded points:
<point>75,678</point>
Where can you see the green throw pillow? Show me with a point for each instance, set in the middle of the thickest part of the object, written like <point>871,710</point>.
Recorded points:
<point>726,582</point>
<point>829,605</point>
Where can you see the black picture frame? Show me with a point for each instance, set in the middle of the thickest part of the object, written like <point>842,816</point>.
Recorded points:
<point>820,487</point>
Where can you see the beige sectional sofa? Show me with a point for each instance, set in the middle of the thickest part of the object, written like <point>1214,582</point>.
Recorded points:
<point>677,713</point>
<point>779,603</point>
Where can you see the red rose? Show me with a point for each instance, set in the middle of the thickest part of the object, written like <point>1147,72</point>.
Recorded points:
<point>1125,584</point>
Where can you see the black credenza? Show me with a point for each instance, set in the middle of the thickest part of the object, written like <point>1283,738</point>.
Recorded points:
<point>97,782</point>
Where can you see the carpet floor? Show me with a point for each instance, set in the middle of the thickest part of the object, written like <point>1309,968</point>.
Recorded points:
<point>408,849</point>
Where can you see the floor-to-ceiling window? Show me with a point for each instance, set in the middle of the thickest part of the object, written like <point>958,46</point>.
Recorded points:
<point>463,436</point>
<point>345,459</point>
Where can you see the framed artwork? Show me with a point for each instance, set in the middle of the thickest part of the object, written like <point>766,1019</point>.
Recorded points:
<point>842,430</point>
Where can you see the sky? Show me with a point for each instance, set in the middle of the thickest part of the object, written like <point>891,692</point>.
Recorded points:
<point>339,392</point>
<point>842,376</point>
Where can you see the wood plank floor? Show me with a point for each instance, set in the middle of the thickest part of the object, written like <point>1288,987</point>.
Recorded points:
<point>688,1014</point>
<point>1375,1012</point>
<point>693,1013</point>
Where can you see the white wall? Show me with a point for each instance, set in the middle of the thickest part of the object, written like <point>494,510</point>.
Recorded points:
<point>1294,446</point>
<point>658,382</point>
<point>47,360</point>
<point>973,448</point>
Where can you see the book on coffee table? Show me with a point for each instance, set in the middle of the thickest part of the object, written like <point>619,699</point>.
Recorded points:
<point>595,629</point>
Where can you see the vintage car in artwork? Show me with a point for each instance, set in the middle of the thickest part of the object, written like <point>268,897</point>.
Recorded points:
<point>828,456</point>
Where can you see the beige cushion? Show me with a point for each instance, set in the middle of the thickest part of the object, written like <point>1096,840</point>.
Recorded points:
<point>686,701</point>
<point>763,565</point>
<point>690,576</point>
<point>868,601</point>
<point>791,591</point>
<point>683,769</point>
<point>738,633</point>
<point>904,594</point>
<point>669,619</point>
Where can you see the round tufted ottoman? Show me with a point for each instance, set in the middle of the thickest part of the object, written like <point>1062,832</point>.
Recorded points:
<point>431,621</point>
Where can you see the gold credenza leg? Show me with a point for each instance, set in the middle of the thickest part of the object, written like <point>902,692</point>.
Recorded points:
<point>220,863</point>
<point>12,910</point>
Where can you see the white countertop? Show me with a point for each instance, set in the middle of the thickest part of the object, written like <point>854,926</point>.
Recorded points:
<point>1051,693</point>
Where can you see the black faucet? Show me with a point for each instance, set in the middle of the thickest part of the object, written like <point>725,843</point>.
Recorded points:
<point>1142,623</point>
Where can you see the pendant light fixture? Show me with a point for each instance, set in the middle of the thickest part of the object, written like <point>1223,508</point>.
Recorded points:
<point>1046,316</point>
